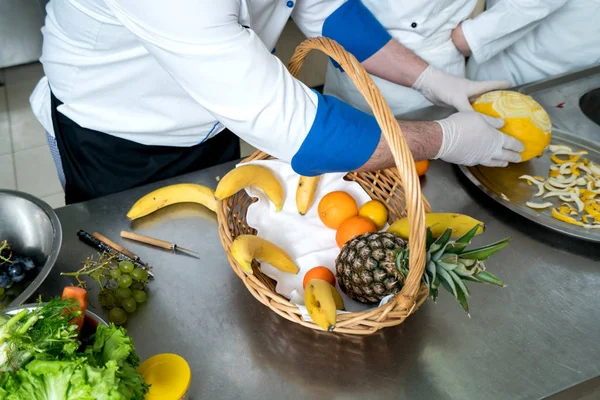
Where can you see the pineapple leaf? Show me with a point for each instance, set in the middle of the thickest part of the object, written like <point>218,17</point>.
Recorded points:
<point>462,300</point>
<point>447,282</point>
<point>426,280</point>
<point>487,277</point>
<point>434,294</point>
<point>460,284</point>
<point>446,266</point>
<point>467,237</point>
<point>429,238</point>
<point>436,282</point>
<point>461,243</point>
<point>431,271</point>
<point>465,274</point>
<point>484,252</point>
<point>441,241</point>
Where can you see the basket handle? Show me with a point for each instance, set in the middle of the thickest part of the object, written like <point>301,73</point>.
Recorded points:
<point>398,146</point>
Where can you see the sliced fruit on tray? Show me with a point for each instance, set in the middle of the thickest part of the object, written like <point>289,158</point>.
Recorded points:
<point>246,248</point>
<point>374,265</point>
<point>173,194</point>
<point>305,192</point>
<point>251,176</point>
<point>438,223</point>
<point>322,301</point>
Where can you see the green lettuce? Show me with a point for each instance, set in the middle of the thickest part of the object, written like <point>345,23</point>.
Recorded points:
<point>53,370</point>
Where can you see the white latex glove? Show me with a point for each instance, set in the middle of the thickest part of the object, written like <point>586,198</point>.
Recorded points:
<point>470,138</point>
<point>443,89</point>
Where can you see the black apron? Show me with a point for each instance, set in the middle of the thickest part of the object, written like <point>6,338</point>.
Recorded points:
<point>96,164</point>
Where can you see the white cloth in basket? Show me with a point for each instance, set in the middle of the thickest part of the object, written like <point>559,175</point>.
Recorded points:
<point>303,237</point>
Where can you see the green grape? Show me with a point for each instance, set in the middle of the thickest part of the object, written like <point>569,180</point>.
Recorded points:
<point>126,266</point>
<point>139,295</point>
<point>129,305</point>
<point>117,316</point>
<point>139,274</point>
<point>115,273</point>
<point>124,281</point>
<point>123,293</point>
<point>107,298</point>
<point>137,286</point>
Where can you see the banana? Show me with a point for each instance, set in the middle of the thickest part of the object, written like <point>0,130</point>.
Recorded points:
<point>251,175</point>
<point>173,194</point>
<point>305,193</point>
<point>245,248</point>
<point>320,303</point>
<point>438,223</point>
<point>339,302</point>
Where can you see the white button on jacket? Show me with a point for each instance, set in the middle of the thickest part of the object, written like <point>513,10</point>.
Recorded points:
<point>528,40</point>
<point>175,73</point>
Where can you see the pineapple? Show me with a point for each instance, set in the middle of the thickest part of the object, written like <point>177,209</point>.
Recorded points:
<point>374,265</point>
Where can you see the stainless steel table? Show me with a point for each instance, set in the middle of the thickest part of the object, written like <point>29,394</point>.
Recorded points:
<point>537,338</point>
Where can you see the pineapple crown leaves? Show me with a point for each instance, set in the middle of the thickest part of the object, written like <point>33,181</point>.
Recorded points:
<point>450,264</point>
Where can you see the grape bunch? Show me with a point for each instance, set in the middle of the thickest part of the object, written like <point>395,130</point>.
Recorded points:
<point>13,268</point>
<point>123,286</point>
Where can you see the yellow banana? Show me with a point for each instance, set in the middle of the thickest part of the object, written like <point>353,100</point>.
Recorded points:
<point>320,303</point>
<point>255,176</point>
<point>305,193</point>
<point>339,302</point>
<point>173,194</point>
<point>245,248</point>
<point>438,223</point>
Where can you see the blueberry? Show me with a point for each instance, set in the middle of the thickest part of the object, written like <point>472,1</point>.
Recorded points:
<point>18,278</point>
<point>4,280</point>
<point>28,264</point>
<point>15,269</point>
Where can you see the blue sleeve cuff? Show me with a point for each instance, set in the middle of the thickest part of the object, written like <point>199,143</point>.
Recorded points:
<point>356,29</point>
<point>341,139</point>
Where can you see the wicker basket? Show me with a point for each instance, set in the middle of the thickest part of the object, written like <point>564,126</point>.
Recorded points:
<point>399,188</point>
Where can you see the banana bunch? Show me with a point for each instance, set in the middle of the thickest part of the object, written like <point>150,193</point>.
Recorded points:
<point>305,193</point>
<point>246,248</point>
<point>438,223</point>
<point>255,176</point>
<point>322,300</point>
<point>173,194</point>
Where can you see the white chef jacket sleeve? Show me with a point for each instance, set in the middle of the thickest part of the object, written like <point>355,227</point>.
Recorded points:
<point>503,24</point>
<point>228,70</point>
<point>348,22</point>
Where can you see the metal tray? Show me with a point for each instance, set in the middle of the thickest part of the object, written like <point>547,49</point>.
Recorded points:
<point>504,185</point>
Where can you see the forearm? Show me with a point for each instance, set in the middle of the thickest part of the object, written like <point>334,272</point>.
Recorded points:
<point>395,63</point>
<point>424,140</point>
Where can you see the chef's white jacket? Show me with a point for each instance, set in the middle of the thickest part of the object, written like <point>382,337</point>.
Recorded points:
<point>528,40</point>
<point>425,27</point>
<point>175,73</point>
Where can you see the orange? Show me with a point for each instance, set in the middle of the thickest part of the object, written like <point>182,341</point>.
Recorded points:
<point>353,227</point>
<point>422,167</point>
<point>375,211</point>
<point>336,207</point>
<point>322,273</point>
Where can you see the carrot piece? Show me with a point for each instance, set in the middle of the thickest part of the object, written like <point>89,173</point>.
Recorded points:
<point>81,296</point>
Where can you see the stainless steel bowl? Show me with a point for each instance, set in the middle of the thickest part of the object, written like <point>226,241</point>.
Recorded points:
<point>33,229</point>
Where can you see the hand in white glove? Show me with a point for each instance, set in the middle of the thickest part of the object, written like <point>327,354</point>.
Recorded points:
<point>443,89</point>
<point>470,138</point>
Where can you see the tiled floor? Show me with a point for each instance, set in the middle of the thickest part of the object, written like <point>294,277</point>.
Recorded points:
<point>25,160</point>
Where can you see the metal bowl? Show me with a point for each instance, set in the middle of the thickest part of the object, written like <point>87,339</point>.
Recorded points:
<point>33,229</point>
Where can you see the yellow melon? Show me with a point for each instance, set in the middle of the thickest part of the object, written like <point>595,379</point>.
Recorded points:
<point>524,119</point>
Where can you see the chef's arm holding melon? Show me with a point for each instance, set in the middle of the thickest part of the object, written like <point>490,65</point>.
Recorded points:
<point>156,77</point>
<point>528,40</point>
